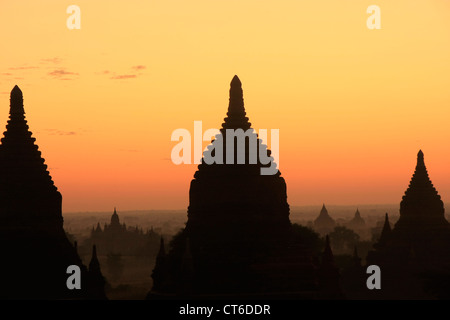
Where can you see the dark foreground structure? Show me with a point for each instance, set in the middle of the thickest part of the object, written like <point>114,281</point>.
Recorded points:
<point>34,248</point>
<point>414,257</point>
<point>239,241</point>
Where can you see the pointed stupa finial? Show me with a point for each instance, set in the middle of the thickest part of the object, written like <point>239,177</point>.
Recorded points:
<point>16,90</point>
<point>235,81</point>
<point>16,102</point>
<point>236,112</point>
<point>357,214</point>
<point>94,265</point>
<point>236,105</point>
<point>323,210</point>
<point>420,160</point>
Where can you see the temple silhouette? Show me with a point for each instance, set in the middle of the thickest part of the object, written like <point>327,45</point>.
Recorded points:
<point>34,246</point>
<point>324,223</point>
<point>417,249</point>
<point>238,240</point>
<point>357,222</point>
<point>118,239</point>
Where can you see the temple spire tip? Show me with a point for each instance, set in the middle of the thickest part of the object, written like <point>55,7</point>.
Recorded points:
<point>235,81</point>
<point>16,102</point>
<point>420,159</point>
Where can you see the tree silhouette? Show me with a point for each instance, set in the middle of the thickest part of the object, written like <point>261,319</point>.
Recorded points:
<point>343,239</point>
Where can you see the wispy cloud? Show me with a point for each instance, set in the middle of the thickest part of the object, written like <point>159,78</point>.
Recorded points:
<point>23,68</point>
<point>62,74</point>
<point>129,75</point>
<point>124,76</point>
<point>139,67</point>
<point>6,74</point>
<point>54,132</point>
<point>54,60</point>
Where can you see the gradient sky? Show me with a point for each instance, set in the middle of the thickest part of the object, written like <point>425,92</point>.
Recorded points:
<point>353,105</point>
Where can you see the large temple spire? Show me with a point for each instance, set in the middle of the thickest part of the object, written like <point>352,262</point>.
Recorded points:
<point>31,222</point>
<point>421,199</point>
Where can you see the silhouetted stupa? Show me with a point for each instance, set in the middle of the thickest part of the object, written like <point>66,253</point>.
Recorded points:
<point>238,239</point>
<point>418,244</point>
<point>357,222</point>
<point>324,224</point>
<point>34,246</point>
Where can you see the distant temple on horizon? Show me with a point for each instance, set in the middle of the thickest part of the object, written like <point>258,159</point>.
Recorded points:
<point>414,256</point>
<point>324,223</point>
<point>238,240</point>
<point>34,247</point>
<point>115,238</point>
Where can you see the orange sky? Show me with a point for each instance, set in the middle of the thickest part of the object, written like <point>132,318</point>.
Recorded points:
<point>353,105</point>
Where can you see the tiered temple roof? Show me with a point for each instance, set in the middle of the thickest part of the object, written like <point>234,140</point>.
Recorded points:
<point>31,223</point>
<point>419,241</point>
<point>238,234</point>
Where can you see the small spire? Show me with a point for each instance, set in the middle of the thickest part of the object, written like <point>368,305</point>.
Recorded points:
<point>328,258</point>
<point>236,112</point>
<point>357,214</point>
<point>115,218</point>
<point>234,82</point>
<point>385,233</point>
<point>96,280</point>
<point>16,102</point>
<point>323,211</point>
<point>94,265</point>
<point>236,97</point>
<point>387,225</point>
<point>162,250</point>
<point>420,160</point>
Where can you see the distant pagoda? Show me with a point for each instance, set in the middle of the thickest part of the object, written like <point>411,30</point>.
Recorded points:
<point>419,243</point>
<point>117,239</point>
<point>32,238</point>
<point>238,240</point>
<point>324,224</point>
<point>357,222</point>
